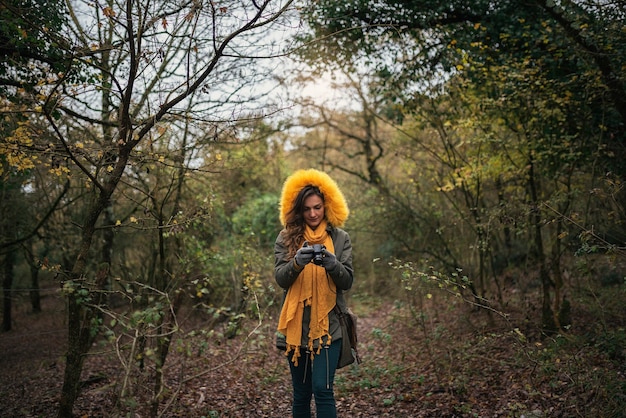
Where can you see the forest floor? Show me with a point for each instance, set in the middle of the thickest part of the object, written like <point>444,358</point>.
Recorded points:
<point>453,361</point>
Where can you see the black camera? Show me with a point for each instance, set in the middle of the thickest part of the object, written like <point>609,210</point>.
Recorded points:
<point>318,254</point>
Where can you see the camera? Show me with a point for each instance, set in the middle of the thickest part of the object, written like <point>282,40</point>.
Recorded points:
<point>318,254</point>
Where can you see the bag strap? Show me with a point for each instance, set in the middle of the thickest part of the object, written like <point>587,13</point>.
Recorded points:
<point>338,312</point>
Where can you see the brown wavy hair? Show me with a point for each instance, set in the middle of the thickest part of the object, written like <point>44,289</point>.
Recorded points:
<point>294,219</point>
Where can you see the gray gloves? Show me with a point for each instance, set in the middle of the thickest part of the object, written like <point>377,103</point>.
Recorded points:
<point>304,255</point>
<point>329,261</point>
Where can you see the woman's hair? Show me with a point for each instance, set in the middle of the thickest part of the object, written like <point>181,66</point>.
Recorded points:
<point>294,220</point>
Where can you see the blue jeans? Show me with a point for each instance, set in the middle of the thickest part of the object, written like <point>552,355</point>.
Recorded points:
<point>315,377</point>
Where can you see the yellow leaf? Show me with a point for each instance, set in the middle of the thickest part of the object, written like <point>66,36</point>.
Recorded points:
<point>133,219</point>
<point>118,222</point>
<point>448,187</point>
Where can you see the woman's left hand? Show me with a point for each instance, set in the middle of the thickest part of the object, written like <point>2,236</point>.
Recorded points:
<point>329,261</point>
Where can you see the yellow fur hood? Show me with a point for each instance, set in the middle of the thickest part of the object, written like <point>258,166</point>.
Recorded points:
<point>335,205</point>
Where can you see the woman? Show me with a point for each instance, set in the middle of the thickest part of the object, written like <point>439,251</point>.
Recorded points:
<point>312,210</point>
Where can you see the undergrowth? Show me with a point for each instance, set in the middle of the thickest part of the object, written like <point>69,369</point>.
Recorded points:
<point>478,362</point>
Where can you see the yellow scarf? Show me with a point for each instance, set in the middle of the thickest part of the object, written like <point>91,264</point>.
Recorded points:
<point>312,288</point>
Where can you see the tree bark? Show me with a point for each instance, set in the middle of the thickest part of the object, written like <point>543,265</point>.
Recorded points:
<point>547,314</point>
<point>83,301</point>
<point>35,295</point>
<point>33,264</point>
<point>7,289</point>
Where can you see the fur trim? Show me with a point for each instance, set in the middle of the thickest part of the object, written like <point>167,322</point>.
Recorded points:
<point>335,205</point>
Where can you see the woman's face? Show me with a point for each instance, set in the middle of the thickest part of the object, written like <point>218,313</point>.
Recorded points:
<point>313,211</point>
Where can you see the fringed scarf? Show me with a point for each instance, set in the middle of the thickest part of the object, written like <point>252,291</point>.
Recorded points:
<point>312,288</point>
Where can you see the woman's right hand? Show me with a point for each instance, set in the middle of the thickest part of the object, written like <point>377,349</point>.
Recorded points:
<point>304,255</point>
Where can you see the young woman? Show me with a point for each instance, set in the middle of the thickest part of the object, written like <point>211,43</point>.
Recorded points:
<point>313,263</point>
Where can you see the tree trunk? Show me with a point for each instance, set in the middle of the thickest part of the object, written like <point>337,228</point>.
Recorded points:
<point>163,347</point>
<point>83,301</point>
<point>33,264</point>
<point>547,314</point>
<point>83,327</point>
<point>78,345</point>
<point>35,296</point>
<point>7,289</point>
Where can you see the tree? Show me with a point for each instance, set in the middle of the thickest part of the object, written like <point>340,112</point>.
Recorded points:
<point>145,66</point>
<point>29,46</point>
<point>570,48</point>
<point>411,44</point>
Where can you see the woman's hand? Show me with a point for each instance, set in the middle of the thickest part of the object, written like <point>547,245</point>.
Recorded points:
<point>304,255</point>
<point>329,261</point>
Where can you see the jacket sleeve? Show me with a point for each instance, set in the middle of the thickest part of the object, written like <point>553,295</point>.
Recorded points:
<point>343,274</point>
<point>285,271</point>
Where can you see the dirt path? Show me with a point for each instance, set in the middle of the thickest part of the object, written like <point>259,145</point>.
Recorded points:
<point>236,378</point>
<point>450,370</point>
